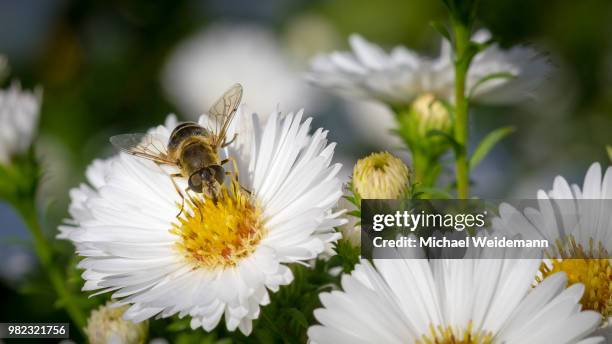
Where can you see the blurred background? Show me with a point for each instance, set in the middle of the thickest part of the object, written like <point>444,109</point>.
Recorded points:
<point>111,67</point>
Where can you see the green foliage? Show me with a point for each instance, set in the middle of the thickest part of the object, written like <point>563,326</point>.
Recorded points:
<point>462,11</point>
<point>488,142</point>
<point>441,28</point>
<point>287,318</point>
<point>179,331</point>
<point>432,193</point>
<point>353,196</point>
<point>19,180</point>
<point>609,149</point>
<point>347,255</point>
<point>448,138</point>
<point>428,136</point>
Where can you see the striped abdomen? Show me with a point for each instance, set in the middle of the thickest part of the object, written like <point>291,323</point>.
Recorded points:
<point>190,144</point>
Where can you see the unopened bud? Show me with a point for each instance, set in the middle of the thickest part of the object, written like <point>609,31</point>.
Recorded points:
<point>380,176</point>
<point>426,116</point>
<point>106,325</point>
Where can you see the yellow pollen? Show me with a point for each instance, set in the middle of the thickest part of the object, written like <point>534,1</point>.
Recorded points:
<point>589,266</point>
<point>454,335</point>
<point>219,233</point>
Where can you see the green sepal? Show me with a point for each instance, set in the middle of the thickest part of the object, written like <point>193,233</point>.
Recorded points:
<point>448,137</point>
<point>441,28</point>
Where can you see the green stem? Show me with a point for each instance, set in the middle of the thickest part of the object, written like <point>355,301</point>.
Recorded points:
<point>463,57</point>
<point>426,169</point>
<point>45,254</point>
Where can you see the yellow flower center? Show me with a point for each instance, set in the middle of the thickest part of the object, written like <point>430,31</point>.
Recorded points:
<point>589,266</point>
<point>454,335</point>
<point>219,233</point>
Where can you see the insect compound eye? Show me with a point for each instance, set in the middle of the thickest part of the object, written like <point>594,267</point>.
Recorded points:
<point>219,173</point>
<point>195,182</point>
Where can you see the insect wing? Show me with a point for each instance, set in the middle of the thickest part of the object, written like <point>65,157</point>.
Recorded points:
<point>223,111</point>
<point>148,146</point>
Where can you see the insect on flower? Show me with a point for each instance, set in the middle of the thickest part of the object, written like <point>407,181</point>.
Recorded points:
<point>191,147</point>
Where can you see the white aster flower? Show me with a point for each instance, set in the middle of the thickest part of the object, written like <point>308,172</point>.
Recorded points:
<point>402,75</point>
<point>372,122</point>
<point>452,301</point>
<point>19,112</point>
<point>219,258</point>
<point>204,66</point>
<point>578,223</point>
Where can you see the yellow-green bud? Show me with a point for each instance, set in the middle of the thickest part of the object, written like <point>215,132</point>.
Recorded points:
<point>426,114</point>
<point>380,176</point>
<point>432,114</point>
<point>106,325</point>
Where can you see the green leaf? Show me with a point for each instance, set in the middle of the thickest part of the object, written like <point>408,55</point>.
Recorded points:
<point>456,146</point>
<point>34,289</point>
<point>433,192</point>
<point>609,149</point>
<point>483,46</point>
<point>178,325</point>
<point>352,199</point>
<point>347,254</point>
<point>298,316</point>
<point>489,77</point>
<point>224,341</point>
<point>441,28</point>
<point>354,213</point>
<point>488,143</point>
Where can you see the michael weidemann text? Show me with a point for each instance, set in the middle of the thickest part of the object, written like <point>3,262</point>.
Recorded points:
<point>479,241</point>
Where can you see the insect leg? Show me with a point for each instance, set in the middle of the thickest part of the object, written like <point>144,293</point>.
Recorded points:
<point>236,174</point>
<point>227,143</point>
<point>194,202</point>
<point>172,176</point>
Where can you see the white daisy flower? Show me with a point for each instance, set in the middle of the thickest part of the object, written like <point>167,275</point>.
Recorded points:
<point>452,301</point>
<point>578,222</point>
<point>402,75</point>
<point>218,258</point>
<point>205,65</point>
<point>19,111</point>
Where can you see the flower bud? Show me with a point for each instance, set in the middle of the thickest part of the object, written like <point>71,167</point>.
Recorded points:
<point>426,114</point>
<point>106,325</point>
<point>380,176</point>
<point>19,112</point>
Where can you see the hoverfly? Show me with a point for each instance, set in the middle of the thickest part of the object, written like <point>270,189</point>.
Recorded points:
<point>191,147</point>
